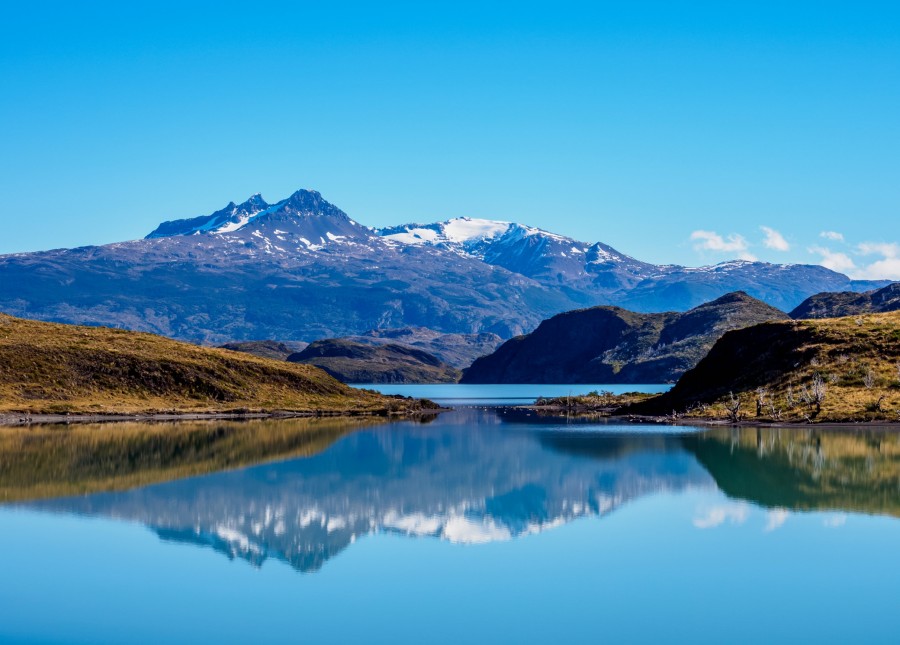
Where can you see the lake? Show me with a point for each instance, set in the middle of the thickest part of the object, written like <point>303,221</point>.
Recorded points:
<point>478,525</point>
<point>457,394</point>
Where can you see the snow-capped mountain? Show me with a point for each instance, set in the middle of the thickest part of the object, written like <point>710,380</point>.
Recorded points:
<point>302,269</point>
<point>303,219</point>
<point>528,251</point>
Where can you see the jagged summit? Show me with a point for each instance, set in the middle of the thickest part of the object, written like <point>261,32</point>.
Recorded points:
<point>305,219</point>
<point>231,217</point>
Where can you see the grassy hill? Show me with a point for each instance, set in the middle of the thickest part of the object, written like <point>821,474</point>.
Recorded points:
<point>613,345</point>
<point>51,368</point>
<point>836,369</point>
<point>354,362</point>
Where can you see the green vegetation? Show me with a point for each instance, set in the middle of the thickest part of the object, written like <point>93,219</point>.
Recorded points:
<point>57,460</point>
<point>599,402</point>
<point>48,368</point>
<point>827,370</point>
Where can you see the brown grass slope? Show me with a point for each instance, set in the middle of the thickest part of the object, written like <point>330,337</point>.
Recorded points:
<point>52,368</point>
<point>828,370</point>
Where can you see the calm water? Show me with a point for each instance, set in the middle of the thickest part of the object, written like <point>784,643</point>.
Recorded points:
<point>456,394</point>
<point>479,526</point>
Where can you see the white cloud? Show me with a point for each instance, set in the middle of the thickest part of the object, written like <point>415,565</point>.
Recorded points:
<point>887,268</point>
<point>775,518</point>
<point>888,250</point>
<point>712,241</point>
<point>717,515</point>
<point>834,236</point>
<point>834,260</point>
<point>774,240</point>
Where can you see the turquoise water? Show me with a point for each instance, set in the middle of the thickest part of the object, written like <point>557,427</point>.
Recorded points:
<point>480,526</point>
<point>455,394</point>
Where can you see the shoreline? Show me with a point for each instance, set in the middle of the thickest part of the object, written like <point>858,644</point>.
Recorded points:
<point>8,419</point>
<point>712,422</point>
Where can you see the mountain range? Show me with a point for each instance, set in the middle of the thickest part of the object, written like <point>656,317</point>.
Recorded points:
<point>302,269</point>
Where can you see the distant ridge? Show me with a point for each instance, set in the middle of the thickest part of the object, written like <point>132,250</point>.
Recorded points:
<point>614,345</point>
<point>836,305</point>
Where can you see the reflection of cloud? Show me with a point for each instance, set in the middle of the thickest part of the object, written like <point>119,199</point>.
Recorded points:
<point>834,521</point>
<point>713,517</point>
<point>775,518</point>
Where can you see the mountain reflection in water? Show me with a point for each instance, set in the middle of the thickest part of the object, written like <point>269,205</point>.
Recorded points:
<point>475,476</point>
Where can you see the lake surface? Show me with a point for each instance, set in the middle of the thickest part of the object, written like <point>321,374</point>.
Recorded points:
<point>494,525</point>
<point>458,394</point>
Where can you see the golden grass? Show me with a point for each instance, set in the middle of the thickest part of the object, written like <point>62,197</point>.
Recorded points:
<point>857,360</point>
<point>48,368</point>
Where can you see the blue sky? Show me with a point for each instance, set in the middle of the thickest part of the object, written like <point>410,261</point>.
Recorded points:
<point>672,131</point>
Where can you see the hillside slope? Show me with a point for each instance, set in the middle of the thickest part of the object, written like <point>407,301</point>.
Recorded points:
<point>849,303</point>
<point>276,350</point>
<point>457,350</point>
<point>836,369</point>
<point>613,345</point>
<point>54,368</point>
<point>353,362</point>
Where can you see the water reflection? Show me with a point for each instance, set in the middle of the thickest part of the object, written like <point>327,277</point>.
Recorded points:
<point>57,460</point>
<point>853,470</point>
<point>472,476</point>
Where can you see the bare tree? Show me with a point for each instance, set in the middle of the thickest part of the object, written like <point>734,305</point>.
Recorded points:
<point>733,407</point>
<point>790,396</point>
<point>818,391</point>
<point>761,394</point>
<point>869,378</point>
<point>805,397</point>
